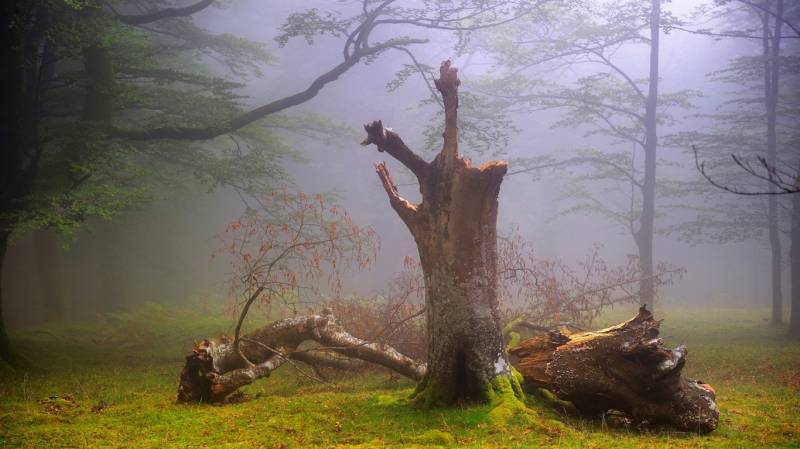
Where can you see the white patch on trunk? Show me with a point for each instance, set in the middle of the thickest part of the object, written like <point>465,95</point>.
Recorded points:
<point>711,404</point>
<point>500,366</point>
<point>667,365</point>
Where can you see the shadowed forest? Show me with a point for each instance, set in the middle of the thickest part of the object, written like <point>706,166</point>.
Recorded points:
<point>400,223</point>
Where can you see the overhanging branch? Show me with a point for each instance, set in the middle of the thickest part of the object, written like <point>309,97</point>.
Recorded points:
<point>202,133</point>
<point>167,13</point>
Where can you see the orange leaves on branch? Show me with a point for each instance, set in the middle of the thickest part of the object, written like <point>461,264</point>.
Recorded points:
<point>332,230</point>
<point>549,291</point>
<point>294,242</point>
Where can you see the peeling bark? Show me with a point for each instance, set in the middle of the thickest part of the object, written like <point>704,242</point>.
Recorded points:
<point>215,369</point>
<point>455,228</point>
<point>623,368</point>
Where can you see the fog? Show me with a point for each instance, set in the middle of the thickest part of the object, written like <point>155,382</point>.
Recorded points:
<point>161,251</point>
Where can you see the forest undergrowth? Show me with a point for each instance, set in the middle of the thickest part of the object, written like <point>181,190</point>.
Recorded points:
<point>111,382</point>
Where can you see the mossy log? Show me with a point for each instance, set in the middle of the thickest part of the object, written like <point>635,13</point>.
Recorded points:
<point>624,368</point>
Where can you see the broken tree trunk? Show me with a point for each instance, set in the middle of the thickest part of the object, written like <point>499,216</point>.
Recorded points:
<point>216,369</point>
<point>623,368</point>
<point>455,228</point>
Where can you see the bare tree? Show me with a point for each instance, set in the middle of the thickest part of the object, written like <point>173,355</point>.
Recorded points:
<point>767,167</point>
<point>455,227</point>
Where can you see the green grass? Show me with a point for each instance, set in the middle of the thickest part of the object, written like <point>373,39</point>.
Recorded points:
<point>131,361</point>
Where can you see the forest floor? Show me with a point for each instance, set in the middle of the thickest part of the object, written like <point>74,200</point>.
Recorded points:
<point>112,383</point>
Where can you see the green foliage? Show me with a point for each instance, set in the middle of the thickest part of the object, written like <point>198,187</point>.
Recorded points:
<point>154,75</point>
<point>566,58</point>
<point>311,23</point>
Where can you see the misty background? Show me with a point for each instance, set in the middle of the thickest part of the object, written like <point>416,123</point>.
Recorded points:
<point>163,252</point>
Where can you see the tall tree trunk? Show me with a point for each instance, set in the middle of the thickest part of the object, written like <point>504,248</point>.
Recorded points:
<point>771,74</point>
<point>98,112</point>
<point>794,254</point>
<point>644,236</point>
<point>10,137</point>
<point>23,27</point>
<point>7,353</point>
<point>455,230</point>
<point>99,100</point>
<point>49,258</point>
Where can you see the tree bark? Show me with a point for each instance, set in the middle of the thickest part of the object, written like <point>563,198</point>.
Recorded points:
<point>644,236</point>
<point>623,368</point>
<point>216,369</point>
<point>455,230</point>
<point>49,263</point>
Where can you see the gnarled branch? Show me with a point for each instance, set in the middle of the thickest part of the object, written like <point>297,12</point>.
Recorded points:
<point>404,208</point>
<point>216,369</point>
<point>389,141</point>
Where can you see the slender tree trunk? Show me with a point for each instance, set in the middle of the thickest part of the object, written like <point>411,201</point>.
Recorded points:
<point>644,236</point>
<point>99,85</point>
<point>7,353</point>
<point>794,254</point>
<point>771,84</point>
<point>455,231</point>
<point>98,111</point>
<point>775,263</point>
<point>49,258</point>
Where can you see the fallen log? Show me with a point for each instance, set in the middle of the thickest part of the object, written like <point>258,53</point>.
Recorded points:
<point>623,368</point>
<point>216,369</point>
